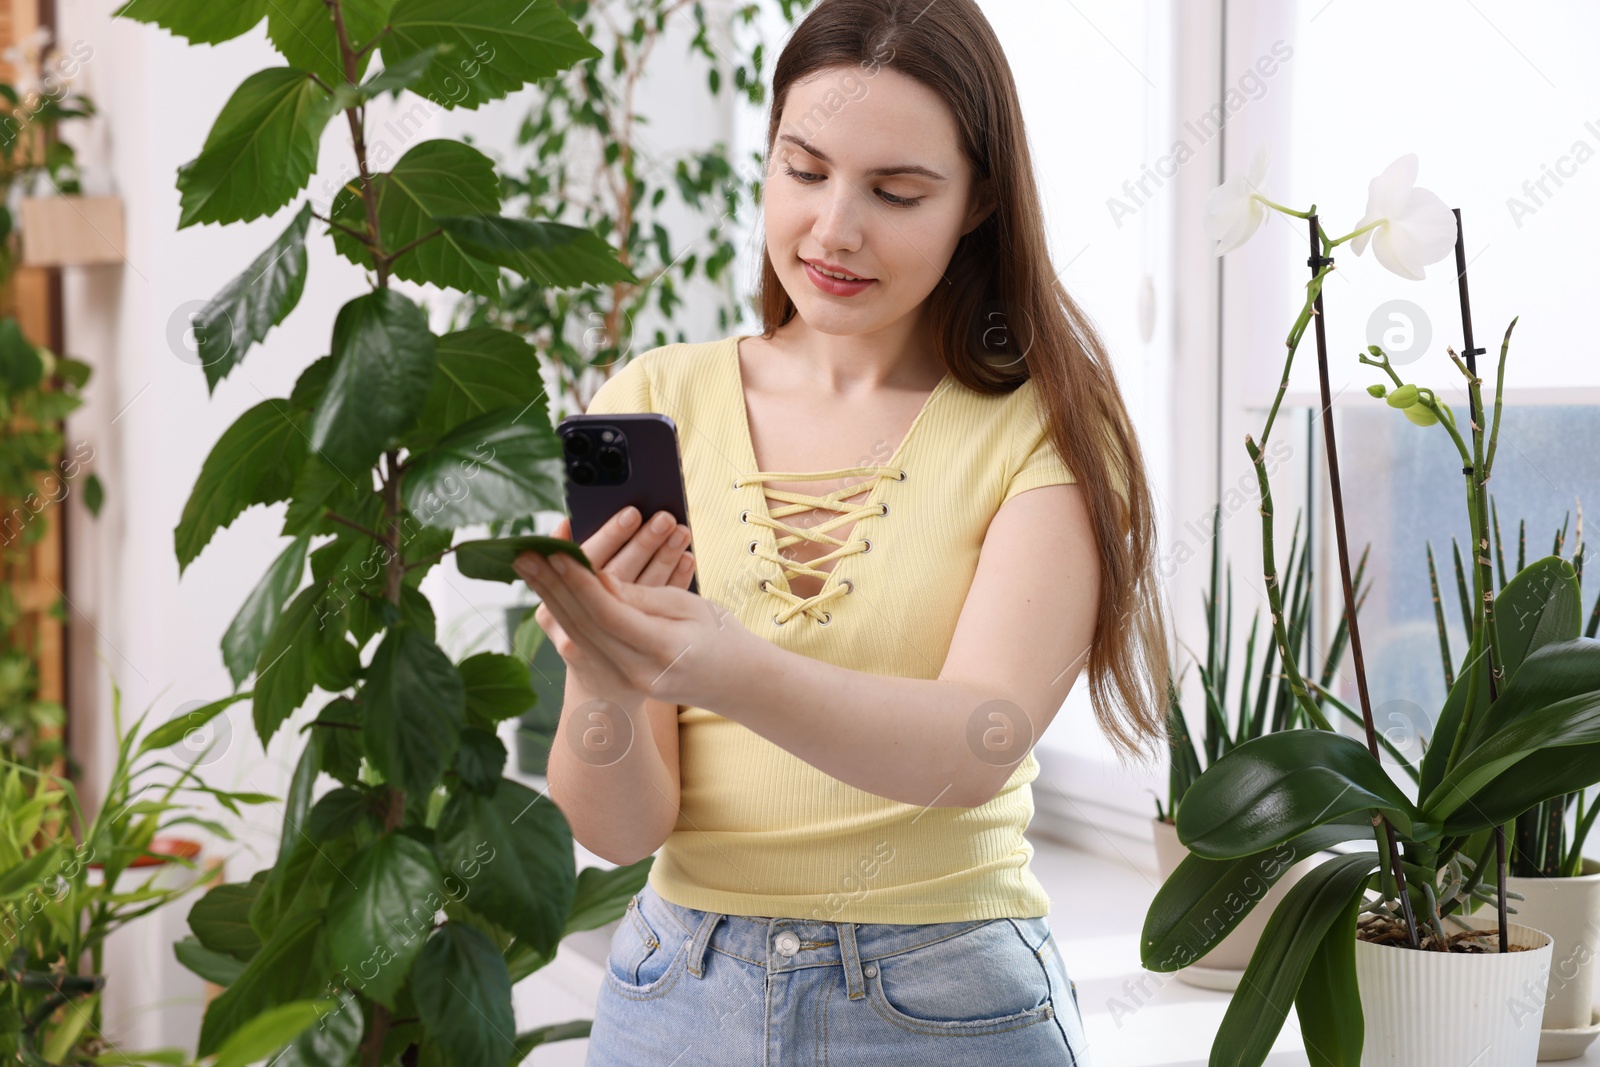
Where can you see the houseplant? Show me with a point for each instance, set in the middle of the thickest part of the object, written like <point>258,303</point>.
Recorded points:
<point>1520,725</point>
<point>1557,889</point>
<point>1263,704</point>
<point>383,449</point>
<point>64,888</point>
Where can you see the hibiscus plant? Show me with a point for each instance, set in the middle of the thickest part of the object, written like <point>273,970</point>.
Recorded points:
<point>405,901</point>
<point>1521,723</point>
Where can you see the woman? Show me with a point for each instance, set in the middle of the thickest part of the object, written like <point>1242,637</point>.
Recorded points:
<point>831,747</point>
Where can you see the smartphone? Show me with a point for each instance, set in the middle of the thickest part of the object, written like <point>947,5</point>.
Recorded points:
<point>611,461</point>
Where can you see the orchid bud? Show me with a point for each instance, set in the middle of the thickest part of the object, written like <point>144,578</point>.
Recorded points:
<point>1403,397</point>
<point>1421,414</point>
<point>1379,390</point>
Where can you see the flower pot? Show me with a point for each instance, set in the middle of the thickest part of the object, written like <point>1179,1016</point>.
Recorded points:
<point>1448,1009</point>
<point>1222,967</point>
<point>1568,909</point>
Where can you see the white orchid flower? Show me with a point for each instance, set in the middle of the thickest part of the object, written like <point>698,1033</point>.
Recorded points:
<point>1233,212</point>
<point>1414,227</point>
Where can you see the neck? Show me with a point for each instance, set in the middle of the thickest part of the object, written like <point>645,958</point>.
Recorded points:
<point>897,356</point>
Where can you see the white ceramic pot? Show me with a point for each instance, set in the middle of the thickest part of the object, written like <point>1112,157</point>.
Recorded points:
<point>1449,1009</point>
<point>1221,967</point>
<point>1568,909</point>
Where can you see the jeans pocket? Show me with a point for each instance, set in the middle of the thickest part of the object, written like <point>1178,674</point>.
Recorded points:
<point>984,980</point>
<point>638,961</point>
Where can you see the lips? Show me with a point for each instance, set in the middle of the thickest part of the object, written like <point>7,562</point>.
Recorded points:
<point>823,265</point>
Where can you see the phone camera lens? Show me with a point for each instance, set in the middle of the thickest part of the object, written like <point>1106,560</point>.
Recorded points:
<point>582,473</point>
<point>610,459</point>
<point>578,446</point>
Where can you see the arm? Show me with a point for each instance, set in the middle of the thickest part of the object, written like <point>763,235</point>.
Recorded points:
<point>1023,637</point>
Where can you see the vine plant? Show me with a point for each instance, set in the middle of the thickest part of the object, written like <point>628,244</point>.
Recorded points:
<point>406,901</point>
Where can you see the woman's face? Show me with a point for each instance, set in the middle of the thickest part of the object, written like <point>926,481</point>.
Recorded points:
<point>866,175</point>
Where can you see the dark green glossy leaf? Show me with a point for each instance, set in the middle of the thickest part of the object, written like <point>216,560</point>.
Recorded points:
<point>378,921</point>
<point>464,994</point>
<point>341,748</point>
<point>260,1037</point>
<point>414,703</point>
<point>260,152</point>
<point>552,255</point>
<point>247,634</point>
<point>402,75</point>
<point>498,687</point>
<point>1329,1002</point>
<point>490,560</point>
<point>337,812</point>
<point>434,178</point>
<point>283,671</point>
<point>479,371</point>
<point>514,852</point>
<point>289,967</point>
<point>602,894</point>
<point>199,23</point>
<point>221,919</point>
<point>283,881</point>
<point>1204,900</point>
<point>252,463</point>
<point>498,46</point>
<point>1274,788</point>
<point>332,1042</point>
<point>383,367</point>
<point>481,759</point>
<point>21,368</point>
<point>504,465</point>
<point>303,31</point>
<point>253,303</point>
<point>1272,980</point>
<point>213,966</point>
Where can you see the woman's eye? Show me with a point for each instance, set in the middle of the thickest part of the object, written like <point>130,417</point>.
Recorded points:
<point>801,175</point>
<point>806,178</point>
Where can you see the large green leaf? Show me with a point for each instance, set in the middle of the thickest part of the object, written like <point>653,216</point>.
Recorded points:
<point>497,46</point>
<point>497,687</point>
<point>213,966</point>
<point>1293,935</point>
<point>1539,605</point>
<point>414,706</point>
<point>435,178</point>
<point>479,371</point>
<point>260,152</point>
<point>247,633</point>
<point>221,919</point>
<point>463,993</point>
<point>490,560</point>
<point>1204,900</point>
<point>253,303</point>
<point>1329,1002</point>
<point>513,852</point>
<point>20,366</point>
<point>290,966</point>
<point>268,1032</point>
<point>1553,702</point>
<point>303,31</point>
<point>550,254</point>
<point>503,465</point>
<point>603,894</point>
<point>378,921</point>
<point>1274,788</point>
<point>333,1041</point>
<point>252,463</point>
<point>281,886</point>
<point>1538,777</point>
<point>197,22</point>
<point>383,367</point>
<point>283,670</point>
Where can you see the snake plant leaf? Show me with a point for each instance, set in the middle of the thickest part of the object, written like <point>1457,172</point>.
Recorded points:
<point>1539,605</point>
<point>463,994</point>
<point>253,462</point>
<point>379,920</point>
<point>479,371</point>
<point>303,31</point>
<point>551,254</point>
<point>441,177</point>
<point>383,367</point>
<point>260,152</point>
<point>1553,702</point>
<point>1274,788</point>
<point>250,305</point>
<point>498,46</point>
<point>198,23</point>
<point>503,465</point>
<point>1204,900</point>
<point>490,560</point>
<point>1316,905</point>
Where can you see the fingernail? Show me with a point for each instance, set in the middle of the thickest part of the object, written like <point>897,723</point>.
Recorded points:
<point>558,563</point>
<point>630,517</point>
<point>661,522</point>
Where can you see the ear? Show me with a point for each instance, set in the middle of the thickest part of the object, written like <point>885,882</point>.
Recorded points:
<point>983,204</point>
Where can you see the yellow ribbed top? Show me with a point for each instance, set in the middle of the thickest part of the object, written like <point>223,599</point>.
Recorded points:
<point>760,831</point>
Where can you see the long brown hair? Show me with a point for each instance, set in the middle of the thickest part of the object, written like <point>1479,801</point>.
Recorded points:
<point>1002,285</point>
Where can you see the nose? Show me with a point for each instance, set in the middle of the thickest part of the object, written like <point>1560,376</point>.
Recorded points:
<point>839,222</point>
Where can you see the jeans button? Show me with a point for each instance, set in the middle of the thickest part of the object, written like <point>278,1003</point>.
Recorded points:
<point>871,971</point>
<point>788,944</point>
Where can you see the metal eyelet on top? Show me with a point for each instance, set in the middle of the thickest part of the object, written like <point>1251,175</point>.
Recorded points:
<point>744,516</point>
<point>885,509</point>
<point>852,585</point>
<point>827,617</point>
<point>775,621</point>
<point>902,475</point>
<point>753,545</point>
<point>868,542</point>
<point>736,484</point>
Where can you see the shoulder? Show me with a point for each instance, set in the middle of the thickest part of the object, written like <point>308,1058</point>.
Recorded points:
<point>645,380</point>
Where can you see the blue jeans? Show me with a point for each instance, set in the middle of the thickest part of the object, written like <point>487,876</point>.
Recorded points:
<point>693,988</point>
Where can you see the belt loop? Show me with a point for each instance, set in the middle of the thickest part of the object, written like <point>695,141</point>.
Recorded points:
<point>850,956</point>
<point>702,938</point>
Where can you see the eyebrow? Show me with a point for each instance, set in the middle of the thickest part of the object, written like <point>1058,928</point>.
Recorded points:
<point>902,168</point>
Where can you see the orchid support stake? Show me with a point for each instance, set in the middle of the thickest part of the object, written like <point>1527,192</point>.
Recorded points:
<point>1317,262</point>
<point>1481,477</point>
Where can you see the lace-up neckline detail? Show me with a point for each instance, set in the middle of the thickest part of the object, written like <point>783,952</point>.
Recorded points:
<point>784,535</point>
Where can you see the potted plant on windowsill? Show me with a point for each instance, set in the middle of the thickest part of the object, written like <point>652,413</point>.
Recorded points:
<point>1556,888</point>
<point>1521,725</point>
<point>1264,704</point>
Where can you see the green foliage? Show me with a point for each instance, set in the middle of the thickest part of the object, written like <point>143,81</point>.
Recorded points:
<point>254,302</point>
